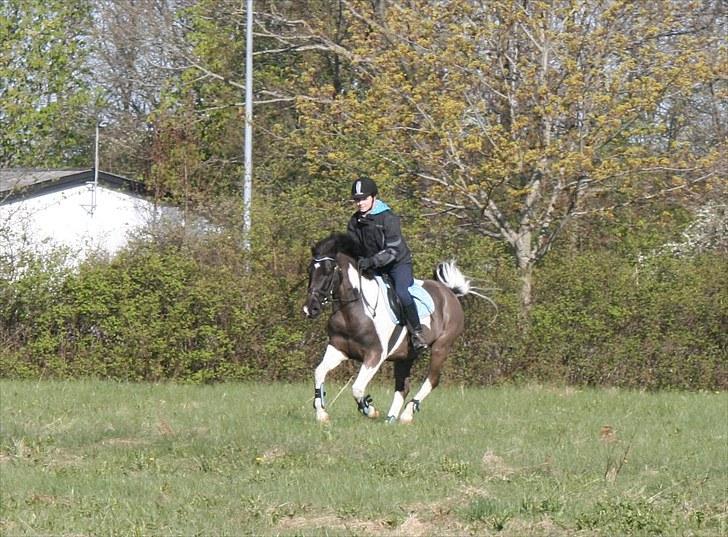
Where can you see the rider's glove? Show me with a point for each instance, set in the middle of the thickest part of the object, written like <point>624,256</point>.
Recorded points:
<point>366,263</point>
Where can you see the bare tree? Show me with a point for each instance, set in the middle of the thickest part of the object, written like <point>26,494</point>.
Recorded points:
<point>134,57</point>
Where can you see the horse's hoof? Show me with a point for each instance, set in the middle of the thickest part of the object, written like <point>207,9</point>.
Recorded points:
<point>373,413</point>
<point>322,417</point>
<point>408,415</point>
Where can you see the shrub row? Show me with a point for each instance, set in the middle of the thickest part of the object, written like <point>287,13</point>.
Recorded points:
<point>204,311</point>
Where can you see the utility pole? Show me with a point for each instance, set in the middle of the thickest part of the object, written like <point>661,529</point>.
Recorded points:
<point>100,124</point>
<point>248,182</point>
<point>96,170</point>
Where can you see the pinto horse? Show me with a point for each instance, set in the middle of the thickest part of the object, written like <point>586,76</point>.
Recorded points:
<point>361,329</point>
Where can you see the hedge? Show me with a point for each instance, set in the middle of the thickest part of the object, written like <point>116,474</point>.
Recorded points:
<point>205,311</point>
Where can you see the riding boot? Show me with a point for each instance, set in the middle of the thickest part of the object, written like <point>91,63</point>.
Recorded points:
<point>415,328</point>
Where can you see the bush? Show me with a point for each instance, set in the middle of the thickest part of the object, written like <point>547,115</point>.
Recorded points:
<point>202,310</point>
<point>605,321</point>
<point>152,313</point>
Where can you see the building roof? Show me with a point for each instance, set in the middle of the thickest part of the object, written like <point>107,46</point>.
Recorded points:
<point>21,183</point>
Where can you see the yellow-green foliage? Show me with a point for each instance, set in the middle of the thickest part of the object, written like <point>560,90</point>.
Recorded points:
<point>517,116</point>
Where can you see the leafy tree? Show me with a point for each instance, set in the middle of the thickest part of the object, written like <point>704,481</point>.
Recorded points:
<point>44,89</point>
<point>515,117</point>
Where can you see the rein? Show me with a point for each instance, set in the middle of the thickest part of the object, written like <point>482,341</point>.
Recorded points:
<point>372,310</point>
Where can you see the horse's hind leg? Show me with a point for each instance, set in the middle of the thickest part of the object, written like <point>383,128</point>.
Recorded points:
<point>401,388</point>
<point>440,350</point>
<point>332,358</point>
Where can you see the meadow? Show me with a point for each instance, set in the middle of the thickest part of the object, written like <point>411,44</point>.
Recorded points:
<point>104,458</point>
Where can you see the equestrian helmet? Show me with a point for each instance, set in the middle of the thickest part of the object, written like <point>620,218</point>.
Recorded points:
<point>363,187</point>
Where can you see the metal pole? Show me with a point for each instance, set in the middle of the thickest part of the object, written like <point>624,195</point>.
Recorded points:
<point>248,183</point>
<point>96,171</point>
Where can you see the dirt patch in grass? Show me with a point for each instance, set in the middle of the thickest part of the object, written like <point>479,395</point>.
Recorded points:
<point>495,466</point>
<point>271,455</point>
<point>124,442</point>
<point>332,522</point>
<point>62,458</point>
<point>413,526</point>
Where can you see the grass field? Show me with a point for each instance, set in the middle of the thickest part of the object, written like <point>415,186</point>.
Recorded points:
<point>101,458</point>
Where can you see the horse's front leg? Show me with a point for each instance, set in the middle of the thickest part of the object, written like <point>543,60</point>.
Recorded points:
<point>367,371</point>
<point>332,358</point>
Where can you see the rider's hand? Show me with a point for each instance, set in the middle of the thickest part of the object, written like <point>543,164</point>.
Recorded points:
<point>366,263</point>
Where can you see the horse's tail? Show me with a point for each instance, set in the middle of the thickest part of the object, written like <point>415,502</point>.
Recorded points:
<point>450,275</point>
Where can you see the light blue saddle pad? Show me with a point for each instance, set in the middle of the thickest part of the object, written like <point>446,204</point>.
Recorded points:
<point>423,300</point>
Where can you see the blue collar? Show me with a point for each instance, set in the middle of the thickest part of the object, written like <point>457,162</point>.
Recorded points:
<point>379,207</point>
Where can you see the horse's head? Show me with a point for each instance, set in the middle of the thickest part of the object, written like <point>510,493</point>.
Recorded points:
<point>324,272</point>
<point>322,281</point>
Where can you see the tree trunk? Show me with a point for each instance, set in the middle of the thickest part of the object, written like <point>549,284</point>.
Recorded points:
<point>524,260</point>
<point>526,293</point>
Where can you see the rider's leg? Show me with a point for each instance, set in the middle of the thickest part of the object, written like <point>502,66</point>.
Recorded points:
<point>402,278</point>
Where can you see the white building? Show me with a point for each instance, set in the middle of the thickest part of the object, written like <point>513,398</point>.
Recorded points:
<point>72,208</point>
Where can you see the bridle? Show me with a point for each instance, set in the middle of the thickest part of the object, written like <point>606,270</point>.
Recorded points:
<point>326,293</point>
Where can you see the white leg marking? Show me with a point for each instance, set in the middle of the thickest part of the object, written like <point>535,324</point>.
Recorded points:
<point>366,374</point>
<point>424,391</point>
<point>332,358</point>
<point>408,415</point>
<point>358,390</point>
<point>397,402</point>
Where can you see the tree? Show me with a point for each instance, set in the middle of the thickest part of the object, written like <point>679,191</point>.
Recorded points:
<point>197,127</point>
<point>515,117</point>
<point>44,89</point>
<point>131,61</point>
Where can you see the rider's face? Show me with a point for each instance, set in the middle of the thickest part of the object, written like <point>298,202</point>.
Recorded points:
<point>365,204</point>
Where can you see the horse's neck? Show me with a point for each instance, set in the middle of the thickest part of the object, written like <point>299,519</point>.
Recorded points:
<point>355,284</point>
<point>347,288</point>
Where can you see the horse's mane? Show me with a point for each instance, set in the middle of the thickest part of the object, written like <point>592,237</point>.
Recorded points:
<point>337,243</point>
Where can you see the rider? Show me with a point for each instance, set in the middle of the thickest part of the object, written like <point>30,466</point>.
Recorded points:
<point>376,228</point>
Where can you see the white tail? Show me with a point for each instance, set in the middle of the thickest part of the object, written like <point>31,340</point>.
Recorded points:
<point>449,274</point>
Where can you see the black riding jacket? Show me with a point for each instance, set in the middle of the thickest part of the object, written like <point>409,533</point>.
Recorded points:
<point>379,234</point>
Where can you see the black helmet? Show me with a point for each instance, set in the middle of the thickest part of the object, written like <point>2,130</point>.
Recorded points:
<point>363,187</point>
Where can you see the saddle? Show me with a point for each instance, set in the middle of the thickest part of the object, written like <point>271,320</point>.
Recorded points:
<point>423,300</point>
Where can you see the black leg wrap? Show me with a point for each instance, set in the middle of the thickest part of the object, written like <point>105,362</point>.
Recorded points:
<point>415,405</point>
<point>318,393</point>
<point>363,404</point>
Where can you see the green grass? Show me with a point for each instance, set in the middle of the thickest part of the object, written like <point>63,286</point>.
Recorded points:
<point>101,458</point>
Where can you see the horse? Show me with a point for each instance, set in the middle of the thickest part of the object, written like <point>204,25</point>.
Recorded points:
<point>361,329</point>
